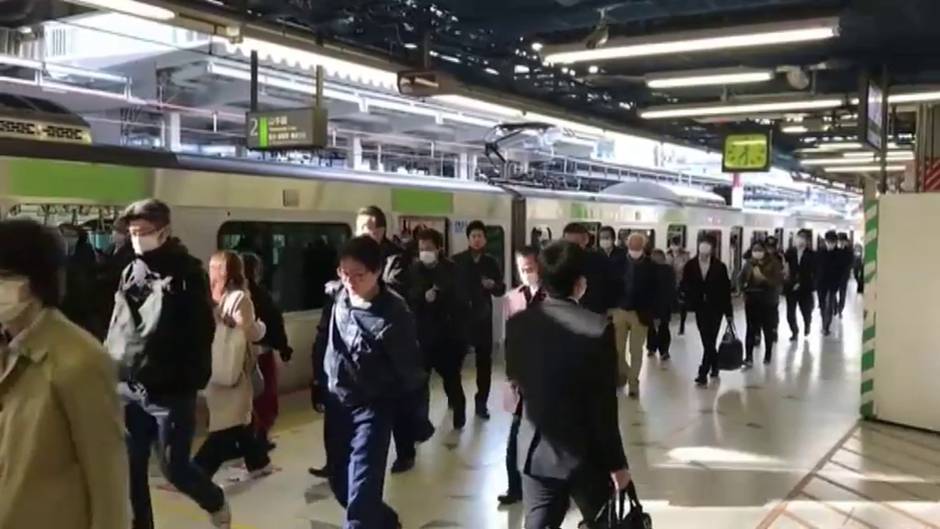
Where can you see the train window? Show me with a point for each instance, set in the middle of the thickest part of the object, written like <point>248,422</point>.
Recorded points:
<point>624,233</point>
<point>540,236</point>
<point>758,236</point>
<point>677,230</point>
<point>412,225</point>
<point>299,257</point>
<point>714,233</point>
<point>496,245</point>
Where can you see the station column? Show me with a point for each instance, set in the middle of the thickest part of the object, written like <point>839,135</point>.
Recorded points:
<point>927,149</point>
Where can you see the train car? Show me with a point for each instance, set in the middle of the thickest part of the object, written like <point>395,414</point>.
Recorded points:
<point>296,217</point>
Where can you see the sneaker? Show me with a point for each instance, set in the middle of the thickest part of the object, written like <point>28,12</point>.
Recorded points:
<point>509,497</point>
<point>222,519</point>
<point>403,465</point>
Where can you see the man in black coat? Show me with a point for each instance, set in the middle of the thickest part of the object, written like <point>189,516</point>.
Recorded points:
<point>800,282</point>
<point>481,278</point>
<point>660,338</point>
<point>563,358</point>
<point>831,263</point>
<point>707,288</point>
<point>844,246</point>
<point>597,269</point>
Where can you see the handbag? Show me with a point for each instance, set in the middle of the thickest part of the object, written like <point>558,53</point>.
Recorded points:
<point>229,346</point>
<point>731,351</point>
<point>619,518</point>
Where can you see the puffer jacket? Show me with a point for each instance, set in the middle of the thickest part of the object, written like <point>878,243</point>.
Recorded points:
<point>372,351</point>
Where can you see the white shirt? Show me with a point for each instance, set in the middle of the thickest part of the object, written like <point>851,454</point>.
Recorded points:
<point>799,255</point>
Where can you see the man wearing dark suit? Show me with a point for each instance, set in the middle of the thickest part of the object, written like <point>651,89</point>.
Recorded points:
<point>564,361</point>
<point>597,269</point>
<point>800,283</point>
<point>707,288</point>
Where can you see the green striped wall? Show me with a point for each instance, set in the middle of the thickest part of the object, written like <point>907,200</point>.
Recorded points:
<point>870,261</point>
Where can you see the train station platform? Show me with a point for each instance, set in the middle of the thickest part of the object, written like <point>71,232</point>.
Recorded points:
<point>777,447</point>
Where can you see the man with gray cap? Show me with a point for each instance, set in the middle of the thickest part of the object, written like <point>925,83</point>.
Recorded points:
<point>161,336</point>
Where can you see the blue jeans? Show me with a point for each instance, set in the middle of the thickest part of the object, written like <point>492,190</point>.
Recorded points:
<point>169,424</point>
<point>357,453</point>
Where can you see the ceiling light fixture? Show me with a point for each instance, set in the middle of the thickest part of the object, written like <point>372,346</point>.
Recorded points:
<point>708,78</point>
<point>794,129</point>
<point>726,109</point>
<point>698,41</point>
<point>914,97</point>
<point>537,46</point>
<point>593,69</point>
<point>864,169</point>
<point>129,7</point>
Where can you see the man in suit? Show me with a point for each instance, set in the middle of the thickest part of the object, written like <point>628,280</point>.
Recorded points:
<point>800,283</point>
<point>564,360</point>
<point>707,287</point>
<point>529,293</point>
<point>481,278</point>
<point>830,262</point>
<point>598,271</point>
<point>847,262</point>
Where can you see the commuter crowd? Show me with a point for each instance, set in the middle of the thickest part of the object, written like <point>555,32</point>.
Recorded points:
<point>86,399</point>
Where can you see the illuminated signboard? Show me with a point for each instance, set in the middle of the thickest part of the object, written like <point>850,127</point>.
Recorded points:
<point>301,128</point>
<point>747,152</point>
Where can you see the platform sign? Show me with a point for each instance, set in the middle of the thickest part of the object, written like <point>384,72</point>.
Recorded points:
<point>300,128</point>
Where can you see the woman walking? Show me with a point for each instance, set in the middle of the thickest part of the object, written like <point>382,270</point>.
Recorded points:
<point>761,280</point>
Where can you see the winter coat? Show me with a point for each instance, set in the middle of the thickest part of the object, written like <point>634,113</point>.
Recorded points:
<point>63,463</point>
<point>766,287</point>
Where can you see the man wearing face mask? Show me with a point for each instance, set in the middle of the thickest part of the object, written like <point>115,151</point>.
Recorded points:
<point>529,293</point>
<point>633,314</point>
<point>616,262</point>
<point>564,360</point>
<point>831,271</point>
<point>162,368</point>
<point>800,283</point>
<point>677,257</point>
<point>707,285</point>
<point>597,270</point>
<point>115,259</point>
<point>436,303</point>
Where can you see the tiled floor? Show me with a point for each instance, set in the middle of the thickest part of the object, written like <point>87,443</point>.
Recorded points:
<point>777,447</point>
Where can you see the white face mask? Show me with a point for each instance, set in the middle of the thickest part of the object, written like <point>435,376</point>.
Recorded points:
<point>830,246</point>
<point>530,280</point>
<point>13,298</point>
<point>607,244</point>
<point>758,255</point>
<point>635,254</point>
<point>145,243</point>
<point>427,257</point>
<point>801,243</point>
<point>705,249</point>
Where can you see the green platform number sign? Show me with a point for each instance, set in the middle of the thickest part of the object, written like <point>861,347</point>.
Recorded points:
<point>302,128</point>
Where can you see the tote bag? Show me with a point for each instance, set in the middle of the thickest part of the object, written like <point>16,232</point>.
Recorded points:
<point>230,346</point>
<point>618,517</point>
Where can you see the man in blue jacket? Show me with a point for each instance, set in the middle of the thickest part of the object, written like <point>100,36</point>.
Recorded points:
<point>372,362</point>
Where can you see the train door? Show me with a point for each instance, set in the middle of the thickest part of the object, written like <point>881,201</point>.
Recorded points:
<point>540,236</point>
<point>624,233</point>
<point>677,230</point>
<point>409,226</point>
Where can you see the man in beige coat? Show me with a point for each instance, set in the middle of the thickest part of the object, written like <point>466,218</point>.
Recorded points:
<point>63,464</point>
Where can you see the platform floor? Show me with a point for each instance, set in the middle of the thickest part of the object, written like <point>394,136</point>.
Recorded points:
<point>777,447</point>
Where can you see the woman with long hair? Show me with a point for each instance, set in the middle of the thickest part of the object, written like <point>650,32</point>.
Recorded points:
<point>229,392</point>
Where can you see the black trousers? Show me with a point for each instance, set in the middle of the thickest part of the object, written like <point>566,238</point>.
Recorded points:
<point>659,338</point>
<point>481,338</point>
<point>411,423</point>
<point>843,289</point>
<point>828,306</point>
<point>761,320</point>
<point>231,443</point>
<point>709,324</point>
<point>683,313</point>
<point>803,300</point>
<point>513,475</point>
<point>546,500</point>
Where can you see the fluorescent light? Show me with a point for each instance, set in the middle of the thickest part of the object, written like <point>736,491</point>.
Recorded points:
<point>129,7</point>
<point>692,111</point>
<point>864,169</point>
<point>520,69</point>
<point>794,129</point>
<point>593,69</point>
<point>477,104</point>
<point>914,97</point>
<point>837,161</point>
<point>491,71</point>
<point>892,155</point>
<point>840,146</point>
<point>537,46</point>
<point>707,79</point>
<point>411,46</point>
<point>707,40</point>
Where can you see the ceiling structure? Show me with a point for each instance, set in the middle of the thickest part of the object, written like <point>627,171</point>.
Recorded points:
<point>492,44</point>
<point>502,47</point>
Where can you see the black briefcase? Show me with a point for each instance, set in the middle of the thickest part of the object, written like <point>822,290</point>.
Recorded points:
<point>618,517</point>
<point>731,351</point>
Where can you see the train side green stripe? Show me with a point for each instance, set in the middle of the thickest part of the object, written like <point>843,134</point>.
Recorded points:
<point>109,184</point>
<point>422,202</point>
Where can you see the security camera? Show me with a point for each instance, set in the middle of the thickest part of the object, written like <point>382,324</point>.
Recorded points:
<point>598,37</point>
